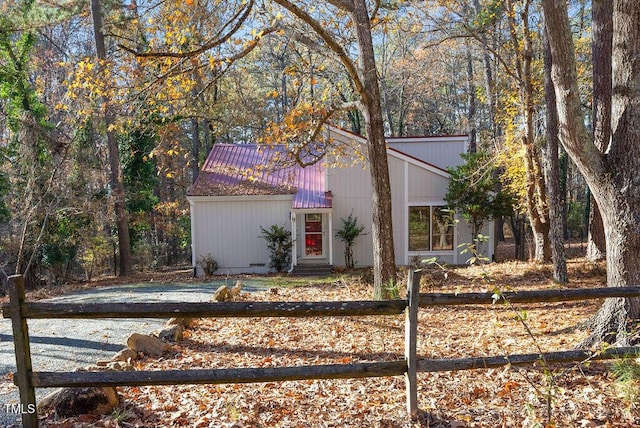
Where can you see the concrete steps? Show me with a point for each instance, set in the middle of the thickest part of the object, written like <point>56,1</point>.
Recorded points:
<point>312,270</point>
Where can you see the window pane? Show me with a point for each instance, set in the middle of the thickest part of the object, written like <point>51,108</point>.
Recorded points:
<point>419,229</point>
<point>442,229</point>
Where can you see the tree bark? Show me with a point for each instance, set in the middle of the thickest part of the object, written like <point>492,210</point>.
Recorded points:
<point>596,242</point>
<point>536,194</point>
<point>601,54</point>
<point>611,174</point>
<point>471,103</point>
<point>552,172</point>
<point>382,230</point>
<point>115,172</point>
<point>195,149</point>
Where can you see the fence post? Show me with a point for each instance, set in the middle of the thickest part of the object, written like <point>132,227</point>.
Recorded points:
<point>22,377</point>
<point>410,344</point>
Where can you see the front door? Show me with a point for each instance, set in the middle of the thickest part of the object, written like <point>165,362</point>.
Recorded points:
<point>313,236</point>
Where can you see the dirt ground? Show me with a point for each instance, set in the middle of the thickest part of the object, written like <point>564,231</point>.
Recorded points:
<point>586,395</point>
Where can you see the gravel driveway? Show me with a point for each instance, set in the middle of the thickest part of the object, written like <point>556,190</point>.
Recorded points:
<point>63,345</point>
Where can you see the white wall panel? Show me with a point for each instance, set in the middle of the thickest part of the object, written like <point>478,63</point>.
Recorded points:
<point>230,230</point>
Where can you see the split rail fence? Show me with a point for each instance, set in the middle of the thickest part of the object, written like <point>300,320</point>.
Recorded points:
<point>19,310</point>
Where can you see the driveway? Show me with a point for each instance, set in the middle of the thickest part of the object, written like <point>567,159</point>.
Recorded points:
<point>63,345</point>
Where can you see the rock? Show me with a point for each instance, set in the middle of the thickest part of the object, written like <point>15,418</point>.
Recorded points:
<point>47,401</point>
<point>70,402</point>
<point>126,355</point>
<point>222,294</point>
<point>107,366</point>
<point>235,291</point>
<point>184,322</point>
<point>172,334</point>
<point>148,345</point>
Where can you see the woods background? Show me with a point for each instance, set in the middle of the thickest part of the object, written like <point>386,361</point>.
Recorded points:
<point>109,107</point>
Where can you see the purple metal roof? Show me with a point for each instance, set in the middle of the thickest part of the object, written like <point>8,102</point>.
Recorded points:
<point>249,169</point>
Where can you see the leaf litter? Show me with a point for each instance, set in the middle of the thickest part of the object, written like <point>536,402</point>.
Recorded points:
<point>560,395</point>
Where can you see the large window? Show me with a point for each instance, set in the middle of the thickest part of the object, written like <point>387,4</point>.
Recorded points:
<point>430,229</point>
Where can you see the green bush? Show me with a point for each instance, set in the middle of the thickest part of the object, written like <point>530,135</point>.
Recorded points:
<point>348,233</point>
<point>279,243</point>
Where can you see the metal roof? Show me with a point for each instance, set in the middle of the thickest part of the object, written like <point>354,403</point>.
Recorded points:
<point>249,169</point>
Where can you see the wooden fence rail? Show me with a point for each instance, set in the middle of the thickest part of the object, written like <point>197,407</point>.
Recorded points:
<point>27,380</point>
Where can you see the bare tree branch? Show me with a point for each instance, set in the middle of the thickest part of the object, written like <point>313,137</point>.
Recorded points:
<point>241,16</point>
<point>331,42</point>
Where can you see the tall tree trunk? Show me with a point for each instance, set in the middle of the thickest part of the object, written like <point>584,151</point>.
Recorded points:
<point>601,58</point>
<point>537,204</point>
<point>536,194</point>
<point>471,102</point>
<point>195,149</point>
<point>552,171</point>
<point>488,78</point>
<point>611,175</point>
<point>115,172</point>
<point>382,231</point>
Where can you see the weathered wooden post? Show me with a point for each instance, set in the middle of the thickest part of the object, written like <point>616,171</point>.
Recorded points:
<point>410,344</point>
<point>22,377</point>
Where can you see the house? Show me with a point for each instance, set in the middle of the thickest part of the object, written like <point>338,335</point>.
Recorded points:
<point>239,190</point>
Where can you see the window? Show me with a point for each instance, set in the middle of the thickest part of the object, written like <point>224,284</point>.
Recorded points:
<point>430,229</point>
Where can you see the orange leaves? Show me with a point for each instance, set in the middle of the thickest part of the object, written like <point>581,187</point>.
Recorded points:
<point>508,388</point>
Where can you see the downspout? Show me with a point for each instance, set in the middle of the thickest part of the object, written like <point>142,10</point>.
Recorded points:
<point>294,246</point>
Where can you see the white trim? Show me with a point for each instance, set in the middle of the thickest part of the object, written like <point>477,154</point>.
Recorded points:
<point>427,139</point>
<point>330,238</point>
<point>346,134</point>
<point>193,235</point>
<point>294,246</point>
<point>405,215</point>
<point>420,164</point>
<point>430,252</point>
<point>241,198</point>
<point>312,210</point>
<point>322,233</point>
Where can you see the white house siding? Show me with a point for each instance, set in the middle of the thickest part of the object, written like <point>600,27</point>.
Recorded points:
<point>411,184</point>
<point>229,228</point>
<point>351,189</point>
<point>443,152</point>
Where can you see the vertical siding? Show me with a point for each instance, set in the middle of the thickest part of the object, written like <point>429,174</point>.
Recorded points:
<point>230,230</point>
<point>351,189</point>
<point>397,175</point>
<point>443,154</point>
<point>426,186</point>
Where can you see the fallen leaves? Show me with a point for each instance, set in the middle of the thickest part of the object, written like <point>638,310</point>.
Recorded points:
<point>500,397</point>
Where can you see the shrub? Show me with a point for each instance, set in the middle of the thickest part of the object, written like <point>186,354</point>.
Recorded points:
<point>279,243</point>
<point>348,233</point>
<point>208,263</point>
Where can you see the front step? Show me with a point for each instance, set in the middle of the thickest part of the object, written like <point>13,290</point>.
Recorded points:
<point>312,270</point>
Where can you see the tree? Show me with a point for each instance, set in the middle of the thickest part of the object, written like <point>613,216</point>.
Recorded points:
<point>473,192</point>
<point>552,177</point>
<point>610,171</point>
<point>115,168</point>
<point>601,55</point>
<point>361,68</point>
